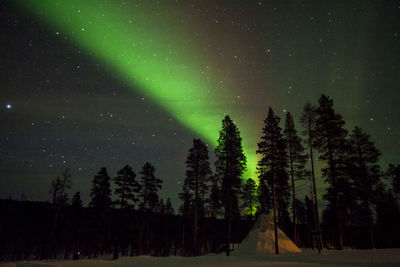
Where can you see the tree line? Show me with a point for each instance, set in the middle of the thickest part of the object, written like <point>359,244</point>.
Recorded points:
<point>362,199</point>
<point>218,208</point>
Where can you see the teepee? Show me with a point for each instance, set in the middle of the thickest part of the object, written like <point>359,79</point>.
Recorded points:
<point>261,239</point>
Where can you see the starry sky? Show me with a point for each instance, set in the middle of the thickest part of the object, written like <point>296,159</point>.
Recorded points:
<point>89,84</point>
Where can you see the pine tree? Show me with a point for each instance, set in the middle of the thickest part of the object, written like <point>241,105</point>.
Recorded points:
<point>76,200</point>
<point>127,188</point>
<point>54,189</point>
<point>310,223</point>
<point>169,210</point>
<point>308,120</point>
<point>387,216</point>
<point>249,196</point>
<point>59,187</point>
<point>230,165</point>
<point>394,173</point>
<point>330,140</point>
<point>186,196</point>
<point>148,196</point>
<point>101,192</point>
<point>297,160</point>
<point>214,198</point>
<point>76,219</point>
<point>272,169</point>
<point>58,190</point>
<point>264,195</point>
<point>161,207</point>
<point>365,173</point>
<point>198,172</point>
<point>149,186</point>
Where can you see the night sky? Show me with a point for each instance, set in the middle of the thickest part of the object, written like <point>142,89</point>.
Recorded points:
<point>86,84</point>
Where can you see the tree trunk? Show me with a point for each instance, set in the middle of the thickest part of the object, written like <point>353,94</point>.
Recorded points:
<point>293,199</point>
<point>320,244</point>
<point>196,201</point>
<point>370,230</point>
<point>115,254</point>
<point>229,228</point>
<point>334,182</point>
<point>339,223</point>
<point>251,207</point>
<point>275,224</point>
<point>371,236</point>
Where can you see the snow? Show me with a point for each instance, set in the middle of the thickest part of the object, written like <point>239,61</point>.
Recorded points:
<point>378,257</point>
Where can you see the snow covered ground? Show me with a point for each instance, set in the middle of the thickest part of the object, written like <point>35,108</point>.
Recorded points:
<point>379,257</point>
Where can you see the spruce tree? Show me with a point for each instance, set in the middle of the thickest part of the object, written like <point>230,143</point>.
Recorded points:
<point>308,120</point>
<point>393,172</point>
<point>100,192</point>
<point>58,190</point>
<point>76,219</point>
<point>76,200</point>
<point>100,202</point>
<point>198,172</point>
<point>272,169</point>
<point>161,207</point>
<point>59,187</point>
<point>310,223</point>
<point>126,188</point>
<point>230,165</point>
<point>264,195</point>
<point>148,196</point>
<point>249,196</point>
<point>213,201</point>
<point>365,173</point>
<point>186,196</point>
<point>149,186</point>
<point>169,210</point>
<point>330,141</point>
<point>297,160</point>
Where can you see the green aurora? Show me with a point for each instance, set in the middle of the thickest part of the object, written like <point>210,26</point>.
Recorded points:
<point>155,61</point>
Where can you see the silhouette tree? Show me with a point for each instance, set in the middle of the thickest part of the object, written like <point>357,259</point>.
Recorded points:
<point>59,187</point>
<point>310,224</point>
<point>387,216</point>
<point>264,195</point>
<point>100,202</point>
<point>330,140</point>
<point>60,198</point>
<point>393,172</point>
<point>169,210</point>
<point>230,165</point>
<point>76,200</point>
<point>100,192</point>
<point>76,223</point>
<point>127,188</point>
<point>249,196</point>
<point>308,120</point>
<point>198,172</point>
<point>161,207</point>
<point>365,173</point>
<point>297,160</point>
<point>214,198</point>
<point>272,169</point>
<point>149,186</point>
<point>148,196</point>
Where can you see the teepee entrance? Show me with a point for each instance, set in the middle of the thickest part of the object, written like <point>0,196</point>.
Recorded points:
<point>261,239</point>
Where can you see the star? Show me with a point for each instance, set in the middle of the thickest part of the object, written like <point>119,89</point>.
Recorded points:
<point>8,106</point>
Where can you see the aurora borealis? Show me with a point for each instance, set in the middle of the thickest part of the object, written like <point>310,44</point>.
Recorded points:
<point>127,81</point>
<point>134,47</point>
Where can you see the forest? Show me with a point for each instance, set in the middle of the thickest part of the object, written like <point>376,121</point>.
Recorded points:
<point>218,206</point>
